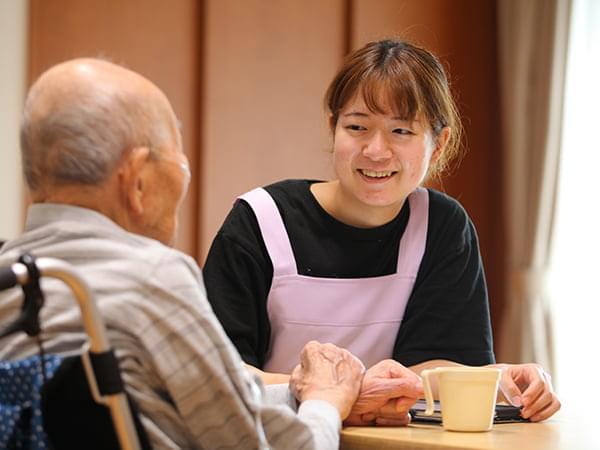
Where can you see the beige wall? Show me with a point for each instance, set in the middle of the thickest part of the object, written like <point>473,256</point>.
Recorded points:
<point>13,51</point>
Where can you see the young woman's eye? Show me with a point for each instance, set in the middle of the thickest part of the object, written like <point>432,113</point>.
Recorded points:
<point>402,131</point>
<point>355,127</point>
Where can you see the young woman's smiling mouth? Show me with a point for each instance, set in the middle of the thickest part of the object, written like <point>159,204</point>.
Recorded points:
<point>376,175</point>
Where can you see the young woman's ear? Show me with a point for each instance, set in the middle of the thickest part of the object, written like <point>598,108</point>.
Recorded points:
<point>440,144</point>
<point>133,179</point>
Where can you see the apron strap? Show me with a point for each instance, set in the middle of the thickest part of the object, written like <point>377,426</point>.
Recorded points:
<point>412,244</point>
<point>273,231</point>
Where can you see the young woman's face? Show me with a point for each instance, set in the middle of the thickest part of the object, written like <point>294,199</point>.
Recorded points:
<point>379,158</point>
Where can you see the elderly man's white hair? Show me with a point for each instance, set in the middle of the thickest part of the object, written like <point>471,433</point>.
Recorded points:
<point>81,116</point>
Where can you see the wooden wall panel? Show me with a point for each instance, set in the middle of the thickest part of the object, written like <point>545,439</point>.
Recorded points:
<point>160,40</point>
<point>266,69</point>
<point>463,34</point>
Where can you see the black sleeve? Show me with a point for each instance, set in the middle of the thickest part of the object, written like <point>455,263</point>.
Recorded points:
<point>238,274</point>
<point>447,316</point>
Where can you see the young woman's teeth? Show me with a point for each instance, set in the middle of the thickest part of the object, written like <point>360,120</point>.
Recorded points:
<point>375,174</point>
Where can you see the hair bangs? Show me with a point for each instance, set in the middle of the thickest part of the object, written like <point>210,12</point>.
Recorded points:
<point>384,93</point>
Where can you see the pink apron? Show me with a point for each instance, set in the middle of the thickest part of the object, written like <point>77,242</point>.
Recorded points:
<point>362,315</point>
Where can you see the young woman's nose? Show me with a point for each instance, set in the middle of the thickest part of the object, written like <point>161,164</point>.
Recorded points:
<point>377,147</point>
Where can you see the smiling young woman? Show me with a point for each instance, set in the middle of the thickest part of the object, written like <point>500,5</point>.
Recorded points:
<point>351,259</point>
<point>370,260</point>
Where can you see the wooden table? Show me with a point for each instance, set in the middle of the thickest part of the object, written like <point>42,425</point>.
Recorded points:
<point>562,432</point>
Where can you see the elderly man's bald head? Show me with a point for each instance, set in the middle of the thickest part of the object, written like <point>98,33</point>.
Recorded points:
<point>81,116</point>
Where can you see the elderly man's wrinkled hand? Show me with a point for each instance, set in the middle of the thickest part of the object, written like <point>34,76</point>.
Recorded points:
<point>388,391</point>
<point>329,373</point>
<point>529,386</point>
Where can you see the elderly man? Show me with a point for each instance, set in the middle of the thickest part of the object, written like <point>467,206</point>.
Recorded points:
<point>104,164</point>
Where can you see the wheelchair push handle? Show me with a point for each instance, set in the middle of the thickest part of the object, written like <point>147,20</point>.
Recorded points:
<point>21,272</point>
<point>8,278</point>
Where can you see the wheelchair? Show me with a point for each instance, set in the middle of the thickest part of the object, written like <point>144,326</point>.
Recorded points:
<point>49,401</point>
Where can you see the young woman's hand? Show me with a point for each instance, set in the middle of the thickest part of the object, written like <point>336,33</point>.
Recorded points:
<point>529,386</point>
<point>387,393</point>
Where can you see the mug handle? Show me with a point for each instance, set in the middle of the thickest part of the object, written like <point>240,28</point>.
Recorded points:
<point>428,394</point>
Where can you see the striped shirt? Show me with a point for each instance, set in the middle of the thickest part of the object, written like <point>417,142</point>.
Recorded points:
<point>189,382</point>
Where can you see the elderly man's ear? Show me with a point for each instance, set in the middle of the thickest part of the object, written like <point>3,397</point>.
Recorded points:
<point>134,178</point>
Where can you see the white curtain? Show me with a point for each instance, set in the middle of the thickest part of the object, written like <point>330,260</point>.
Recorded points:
<point>532,44</point>
<point>573,279</point>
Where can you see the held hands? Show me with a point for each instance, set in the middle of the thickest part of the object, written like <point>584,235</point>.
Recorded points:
<point>387,393</point>
<point>329,373</point>
<point>528,385</point>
